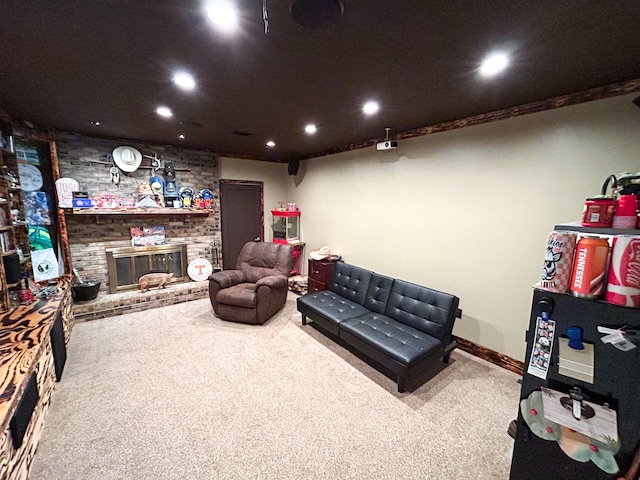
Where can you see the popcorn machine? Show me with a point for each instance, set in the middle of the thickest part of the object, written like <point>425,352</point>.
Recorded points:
<point>286,226</point>
<point>286,230</point>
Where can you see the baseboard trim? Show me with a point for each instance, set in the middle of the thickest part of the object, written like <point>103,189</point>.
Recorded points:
<point>491,356</point>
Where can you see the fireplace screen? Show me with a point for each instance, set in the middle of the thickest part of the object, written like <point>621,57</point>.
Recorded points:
<point>127,264</point>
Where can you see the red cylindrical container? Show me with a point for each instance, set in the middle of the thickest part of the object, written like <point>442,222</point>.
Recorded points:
<point>598,212</point>
<point>558,260</point>
<point>589,267</point>
<point>623,285</point>
<point>625,213</point>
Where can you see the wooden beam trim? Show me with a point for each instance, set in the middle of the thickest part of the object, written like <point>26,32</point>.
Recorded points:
<point>491,356</point>
<point>598,93</point>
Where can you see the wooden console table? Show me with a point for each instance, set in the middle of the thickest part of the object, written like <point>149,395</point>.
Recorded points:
<point>33,342</point>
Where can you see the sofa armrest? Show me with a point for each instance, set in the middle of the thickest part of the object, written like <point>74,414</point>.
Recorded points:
<point>227,278</point>
<point>273,281</point>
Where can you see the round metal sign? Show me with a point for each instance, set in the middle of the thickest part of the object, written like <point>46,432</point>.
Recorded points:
<point>199,269</point>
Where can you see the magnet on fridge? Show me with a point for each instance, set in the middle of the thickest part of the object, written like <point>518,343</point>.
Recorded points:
<point>545,307</point>
<point>575,338</point>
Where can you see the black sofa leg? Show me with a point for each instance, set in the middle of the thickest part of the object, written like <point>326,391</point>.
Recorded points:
<point>304,319</point>
<point>401,384</point>
<point>445,359</point>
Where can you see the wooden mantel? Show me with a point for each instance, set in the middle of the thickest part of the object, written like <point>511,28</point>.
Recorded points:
<point>138,211</point>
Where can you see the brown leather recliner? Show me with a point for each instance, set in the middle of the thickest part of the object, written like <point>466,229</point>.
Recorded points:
<point>257,288</point>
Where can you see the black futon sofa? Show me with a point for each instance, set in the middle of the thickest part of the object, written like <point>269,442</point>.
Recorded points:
<point>402,326</point>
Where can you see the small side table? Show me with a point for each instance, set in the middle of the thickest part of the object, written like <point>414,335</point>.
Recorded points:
<point>320,273</point>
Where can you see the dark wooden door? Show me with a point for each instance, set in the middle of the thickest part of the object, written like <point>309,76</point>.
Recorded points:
<point>241,211</point>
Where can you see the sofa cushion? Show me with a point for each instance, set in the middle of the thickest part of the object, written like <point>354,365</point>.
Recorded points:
<point>397,340</point>
<point>378,293</point>
<point>424,309</point>
<point>329,306</point>
<point>350,282</point>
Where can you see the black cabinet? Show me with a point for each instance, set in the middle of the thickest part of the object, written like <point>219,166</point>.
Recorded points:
<point>616,381</point>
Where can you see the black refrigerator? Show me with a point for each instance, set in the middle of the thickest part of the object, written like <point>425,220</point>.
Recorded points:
<point>615,384</point>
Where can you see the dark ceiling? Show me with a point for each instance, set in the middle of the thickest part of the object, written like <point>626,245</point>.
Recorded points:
<point>65,63</point>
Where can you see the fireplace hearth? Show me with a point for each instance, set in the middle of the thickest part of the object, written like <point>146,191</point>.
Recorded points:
<point>131,301</point>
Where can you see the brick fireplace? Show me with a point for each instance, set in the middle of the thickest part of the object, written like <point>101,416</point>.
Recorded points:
<point>88,161</point>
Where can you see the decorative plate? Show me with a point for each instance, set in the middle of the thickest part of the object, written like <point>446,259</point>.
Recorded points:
<point>30,177</point>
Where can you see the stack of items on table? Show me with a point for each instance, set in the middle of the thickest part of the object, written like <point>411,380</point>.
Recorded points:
<point>299,284</point>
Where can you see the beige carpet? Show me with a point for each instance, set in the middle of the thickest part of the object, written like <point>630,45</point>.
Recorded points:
<point>175,393</point>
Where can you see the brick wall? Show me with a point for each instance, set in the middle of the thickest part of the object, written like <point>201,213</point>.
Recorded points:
<point>87,160</point>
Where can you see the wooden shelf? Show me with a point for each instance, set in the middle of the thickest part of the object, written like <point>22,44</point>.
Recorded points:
<point>577,227</point>
<point>6,228</point>
<point>138,211</point>
<point>15,233</point>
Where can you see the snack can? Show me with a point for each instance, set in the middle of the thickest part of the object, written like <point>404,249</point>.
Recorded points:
<point>598,212</point>
<point>558,260</point>
<point>623,284</point>
<point>589,267</point>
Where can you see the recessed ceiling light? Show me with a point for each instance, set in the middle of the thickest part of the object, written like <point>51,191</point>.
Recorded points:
<point>310,129</point>
<point>184,80</point>
<point>95,123</point>
<point>494,64</point>
<point>164,112</point>
<point>182,136</point>
<point>270,143</point>
<point>223,13</point>
<point>370,108</point>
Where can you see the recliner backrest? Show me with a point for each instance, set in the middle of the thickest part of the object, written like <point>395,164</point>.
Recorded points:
<point>262,259</point>
<point>425,309</point>
<point>350,282</point>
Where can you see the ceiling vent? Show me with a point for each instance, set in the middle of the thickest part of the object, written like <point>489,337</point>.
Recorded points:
<point>316,13</point>
<point>191,124</point>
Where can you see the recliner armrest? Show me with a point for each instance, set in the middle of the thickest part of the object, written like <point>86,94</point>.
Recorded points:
<point>227,278</point>
<point>273,281</point>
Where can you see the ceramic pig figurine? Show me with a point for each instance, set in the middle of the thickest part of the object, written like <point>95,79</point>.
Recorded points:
<point>152,279</point>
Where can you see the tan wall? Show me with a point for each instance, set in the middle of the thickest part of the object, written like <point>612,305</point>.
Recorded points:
<point>271,174</point>
<point>468,211</point>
